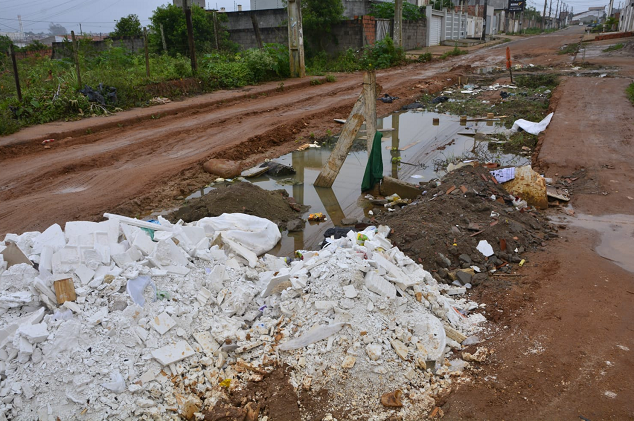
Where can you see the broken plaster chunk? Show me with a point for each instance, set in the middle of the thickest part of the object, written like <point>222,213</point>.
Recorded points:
<point>203,296</point>
<point>162,323</point>
<point>349,291</point>
<point>84,273</point>
<point>276,283</point>
<point>98,317</point>
<point>373,351</point>
<point>348,362</point>
<point>173,353</point>
<point>207,343</point>
<point>377,284</point>
<point>34,333</point>
<point>325,305</point>
<point>400,348</point>
<point>147,377</point>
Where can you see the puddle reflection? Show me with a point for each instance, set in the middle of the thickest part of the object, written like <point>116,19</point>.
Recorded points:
<point>412,151</point>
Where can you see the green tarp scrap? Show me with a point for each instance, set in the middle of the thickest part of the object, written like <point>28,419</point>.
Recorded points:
<point>374,169</point>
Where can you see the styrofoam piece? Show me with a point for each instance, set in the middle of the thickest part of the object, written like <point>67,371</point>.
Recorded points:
<point>167,253</point>
<point>53,237</point>
<point>122,259</point>
<point>485,248</point>
<point>377,284</point>
<point>72,306</point>
<point>276,283</point>
<point>98,317</point>
<point>203,296</point>
<point>7,332</point>
<point>207,343</point>
<point>173,353</point>
<point>34,333</point>
<point>316,333</point>
<point>84,233</point>
<point>194,234</point>
<point>400,278</point>
<point>162,323</point>
<point>137,223</point>
<point>250,256</point>
<point>144,243</point>
<point>84,273</point>
<point>325,305</point>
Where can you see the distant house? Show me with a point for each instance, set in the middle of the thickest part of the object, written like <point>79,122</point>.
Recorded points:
<point>626,18</point>
<point>593,14</point>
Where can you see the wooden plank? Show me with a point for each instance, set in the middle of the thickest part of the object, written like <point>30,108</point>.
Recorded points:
<point>64,290</point>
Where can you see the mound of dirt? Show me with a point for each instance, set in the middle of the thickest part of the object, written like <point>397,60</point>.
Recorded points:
<point>443,228</point>
<point>246,198</point>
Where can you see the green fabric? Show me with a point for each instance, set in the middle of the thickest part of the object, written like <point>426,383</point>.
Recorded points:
<point>374,169</point>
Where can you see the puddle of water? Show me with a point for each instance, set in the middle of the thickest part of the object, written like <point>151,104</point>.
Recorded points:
<point>617,236</point>
<point>409,153</point>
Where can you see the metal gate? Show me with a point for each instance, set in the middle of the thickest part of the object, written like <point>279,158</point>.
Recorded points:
<point>436,25</point>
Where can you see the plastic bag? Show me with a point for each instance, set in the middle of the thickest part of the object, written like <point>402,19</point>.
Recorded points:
<point>316,333</point>
<point>256,234</point>
<point>136,287</point>
<point>117,384</point>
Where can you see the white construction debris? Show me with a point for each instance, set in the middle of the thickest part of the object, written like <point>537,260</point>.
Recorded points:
<point>161,300</point>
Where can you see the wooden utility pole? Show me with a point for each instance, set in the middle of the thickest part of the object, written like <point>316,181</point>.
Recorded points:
<point>190,34</point>
<point>550,10</point>
<point>398,32</point>
<point>544,15</point>
<point>147,55</point>
<point>296,39</point>
<point>484,24</point>
<point>256,29</point>
<point>76,56</point>
<point>369,92</point>
<point>215,16</point>
<point>557,14</point>
<point>163,38</point>
<point>15,72</point>
<point>358,114</point>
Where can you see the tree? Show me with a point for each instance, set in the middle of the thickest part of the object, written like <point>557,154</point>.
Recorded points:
<point>127,27</point>
<point>386,11</point>
<point>318,17</point>
<point>441,4</point>
<point>57,29</point>
<point>175,29</point>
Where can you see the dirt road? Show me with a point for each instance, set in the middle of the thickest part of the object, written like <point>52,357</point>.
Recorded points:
<point>146,159</point>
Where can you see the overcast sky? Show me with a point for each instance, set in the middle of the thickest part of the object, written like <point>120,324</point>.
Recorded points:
<point>95,16</point>
<point>99,16</point>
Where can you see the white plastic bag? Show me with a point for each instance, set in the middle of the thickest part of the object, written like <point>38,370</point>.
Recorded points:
<point>136,287</point>
<point>530,127</point>
<point>256,234</point>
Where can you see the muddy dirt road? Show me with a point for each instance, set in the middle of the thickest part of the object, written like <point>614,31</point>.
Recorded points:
<point>146,159</point>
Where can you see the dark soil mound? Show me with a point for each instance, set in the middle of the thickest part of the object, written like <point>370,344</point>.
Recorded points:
<point>242,198</point>
<point>442,229</point>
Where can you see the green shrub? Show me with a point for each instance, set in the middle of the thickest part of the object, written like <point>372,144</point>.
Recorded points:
<point>630,92</point>
<point>331,78</point>
<point>452,53</point>
<point>424,58</point>
<point>614,47</point>
<point>382,54</point>
<point>536,81</point>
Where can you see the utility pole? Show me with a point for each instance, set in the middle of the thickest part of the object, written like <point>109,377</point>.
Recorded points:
<point>163,38</point>
<point>15,72</point>
<point>76,55</point>
<point>296,39</point>
<point>190,34</point>
<point>398,32</point>
<point>544,15</point>
<point>484,24</point>
<point>610,8</point>
<point>550,9</point>
<point>557,14</point>
<point>147,56</point>
<point>256,29</point>
<point>215,16</point>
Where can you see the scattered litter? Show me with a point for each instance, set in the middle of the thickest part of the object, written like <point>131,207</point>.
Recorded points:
<point>386,98</point>
<point>485,248</point>
<point>530,127</point>
<point>503,175</point>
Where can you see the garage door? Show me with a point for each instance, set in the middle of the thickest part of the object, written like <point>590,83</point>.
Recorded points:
<point>436,24</point>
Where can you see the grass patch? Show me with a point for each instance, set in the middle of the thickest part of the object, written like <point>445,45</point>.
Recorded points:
<point>518,141</point>
<point>630,92</point>
<point>537,81</point>
<point>331,78</point>
<point>453,53</point>
<point>614,47</point>
<point>424,58</point>
<point>569,49</point>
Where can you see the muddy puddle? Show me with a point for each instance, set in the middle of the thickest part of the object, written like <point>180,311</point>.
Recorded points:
<point>616,236</point>
<point>416,149</point>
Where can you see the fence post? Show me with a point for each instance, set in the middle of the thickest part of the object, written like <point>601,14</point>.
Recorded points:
<point>15,72</point>
<point>190,34</point>
<point>76,55</point>
<point>147,56</point>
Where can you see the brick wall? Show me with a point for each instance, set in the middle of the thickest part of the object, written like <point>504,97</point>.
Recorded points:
<point>369,29</point>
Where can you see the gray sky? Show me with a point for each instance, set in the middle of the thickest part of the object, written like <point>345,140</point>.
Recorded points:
<point>95,16</point>
<point>99,16</point>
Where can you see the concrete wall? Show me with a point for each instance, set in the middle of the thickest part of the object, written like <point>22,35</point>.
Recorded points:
<point>270,18</point>
<point>65,49</point>
<point>354,8</point>
<point>348,34</point>
<point>246,37</point>
<point>414,34</point>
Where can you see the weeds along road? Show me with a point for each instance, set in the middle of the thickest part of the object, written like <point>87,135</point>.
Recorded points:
<point>141,160</point>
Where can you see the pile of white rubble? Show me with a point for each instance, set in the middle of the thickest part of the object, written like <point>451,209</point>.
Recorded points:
<point>169,316</point>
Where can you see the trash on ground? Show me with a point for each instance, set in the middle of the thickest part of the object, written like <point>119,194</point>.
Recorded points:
<point>528,185</point>
<point>530,127</point>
